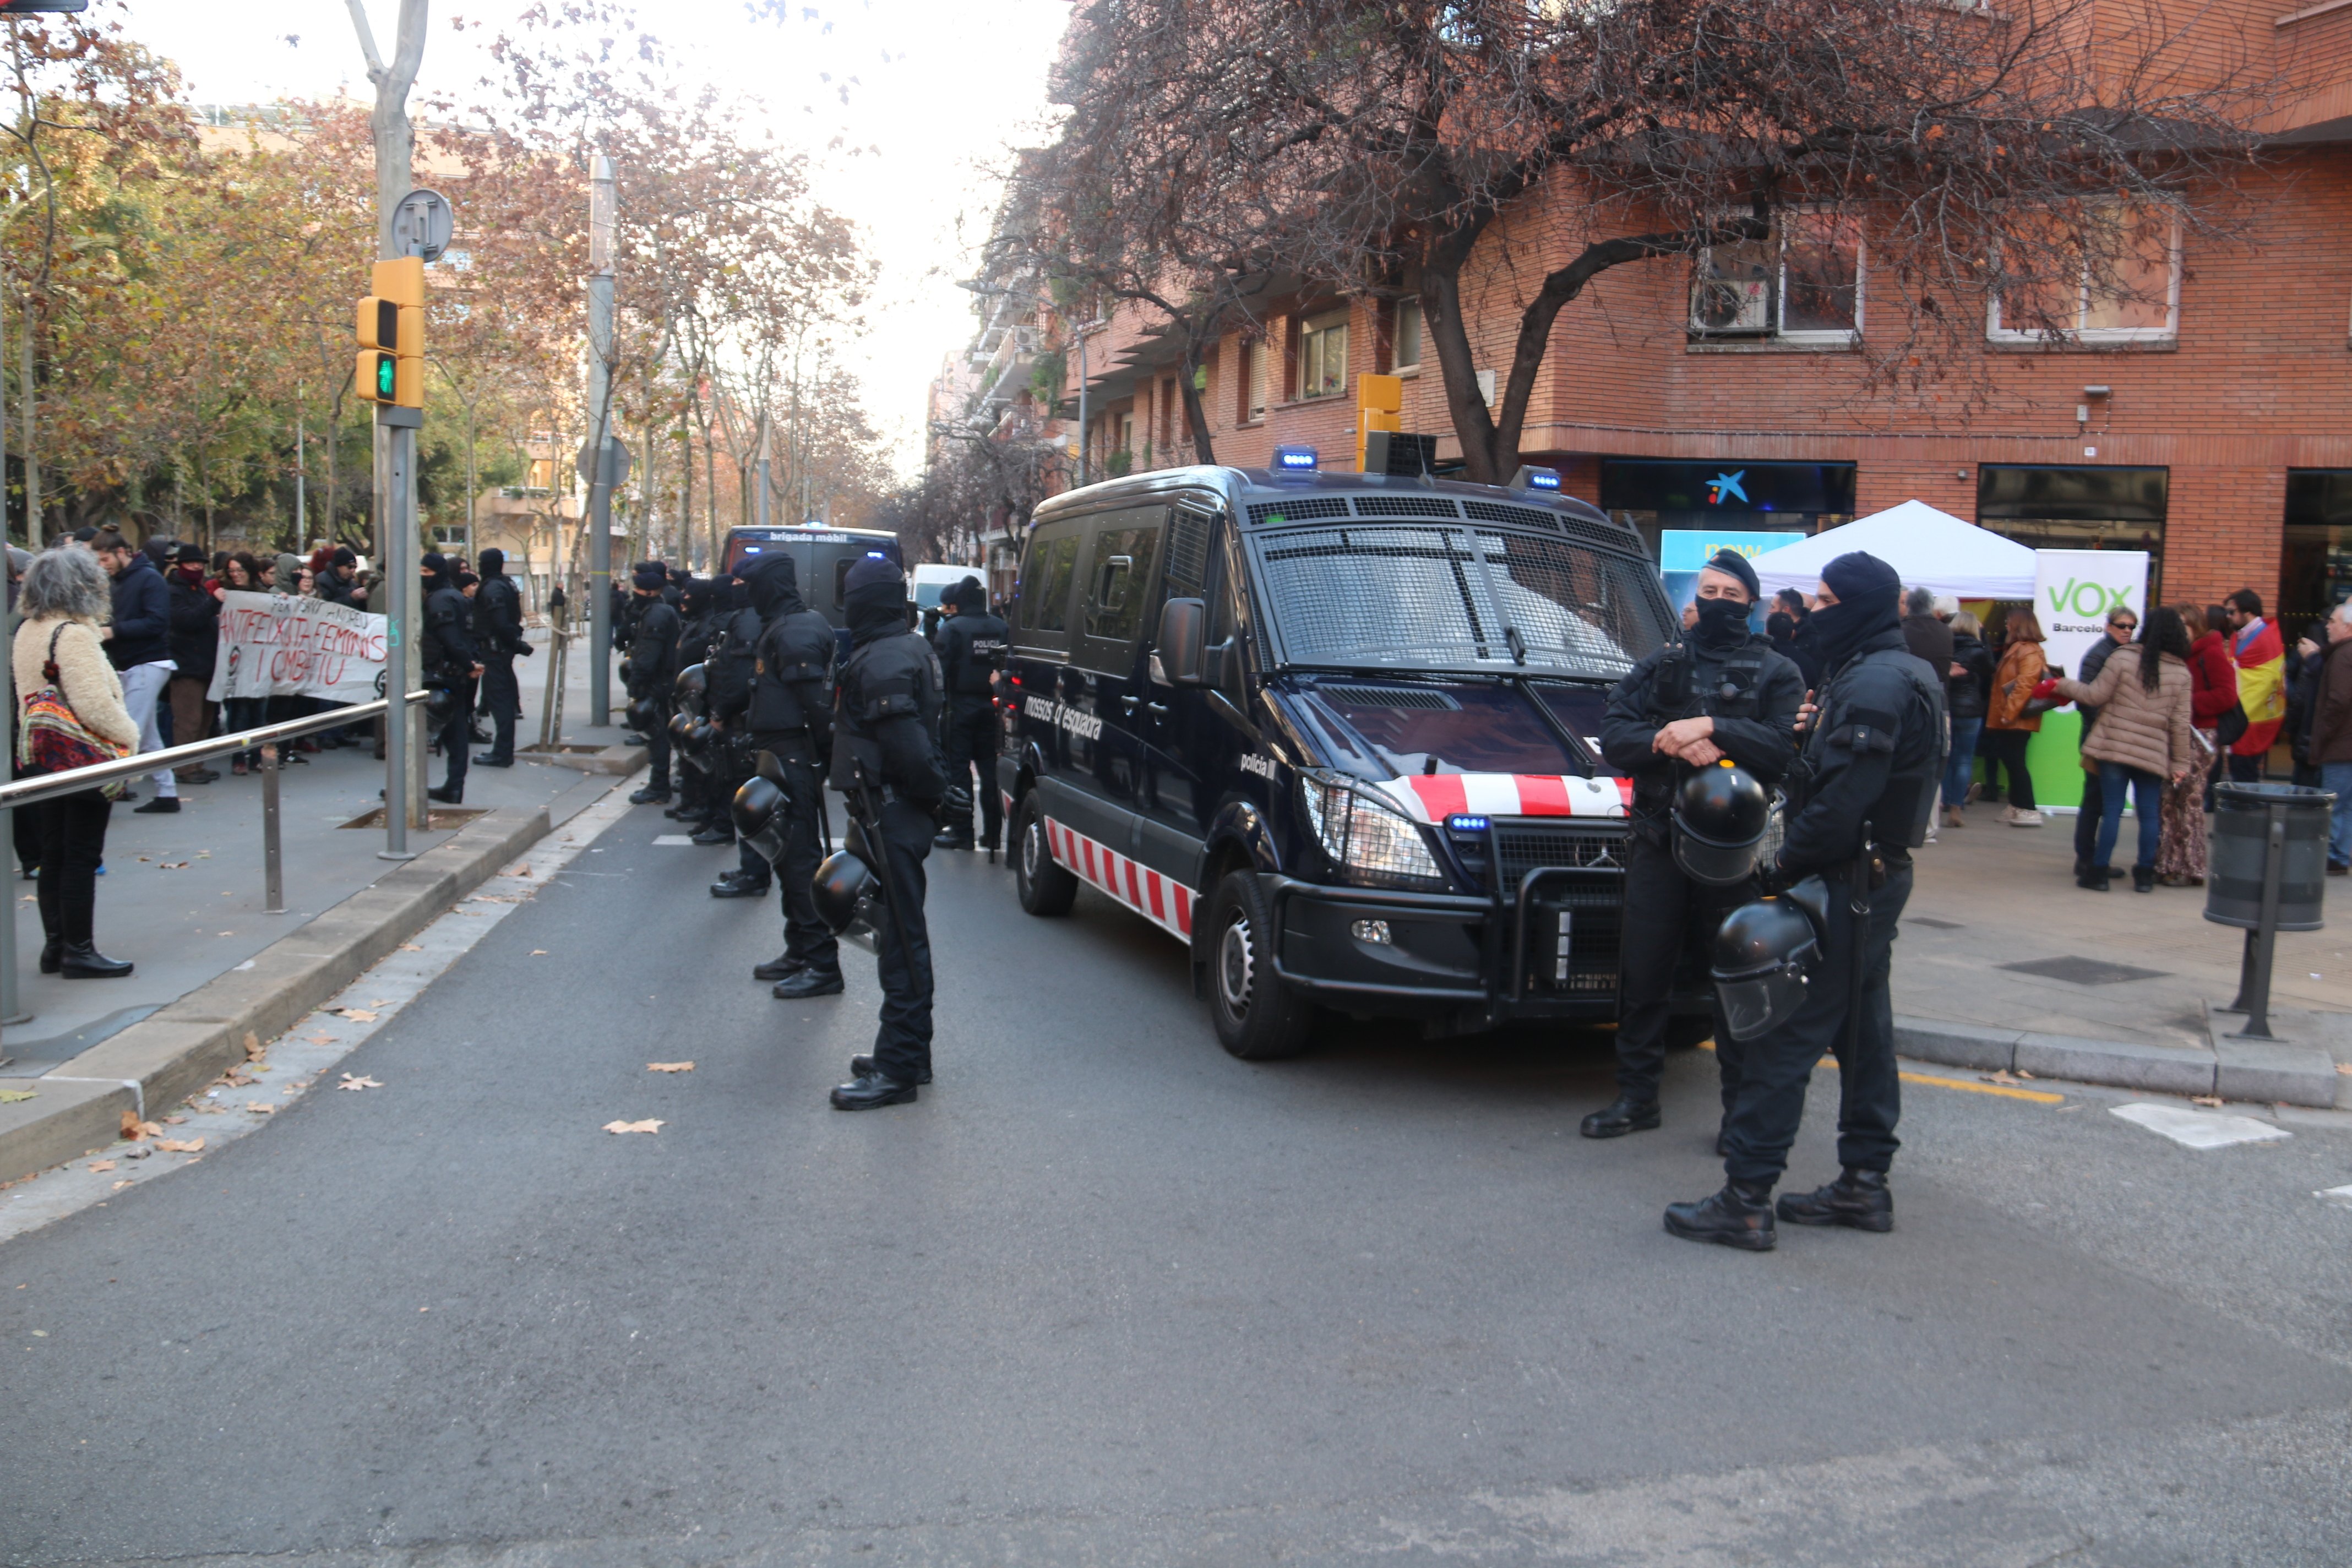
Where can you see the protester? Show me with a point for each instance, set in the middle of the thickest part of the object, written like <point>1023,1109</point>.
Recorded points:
<point>2141,741</point>
<point>139,646</point>
<point>65,595</point>
<point>194,639</point>
<point>2304,663</point>
<point>2331,735</point>
<point>336,583</point>
<point>2008,727</point>
<point>241,574</point>
<point>1968,680</point>
<point>2213,692</point>
<point>2261,658</point>
<point>1801,650</point>
<point>2121,623</point>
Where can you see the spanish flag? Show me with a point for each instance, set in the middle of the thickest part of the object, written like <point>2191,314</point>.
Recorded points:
<point>2262,685</point>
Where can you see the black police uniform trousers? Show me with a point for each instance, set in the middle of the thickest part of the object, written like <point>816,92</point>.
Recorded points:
<point>456,736</point>
<point>657,743</point>
<point>969,735</point>
<point>1667,916</point>
<point>806,937</point>
<point>1780,1064</point>
<point>505,698</point>
<point>902,1047</point>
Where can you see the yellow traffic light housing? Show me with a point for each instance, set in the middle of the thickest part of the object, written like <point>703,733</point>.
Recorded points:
<point>390,325</point>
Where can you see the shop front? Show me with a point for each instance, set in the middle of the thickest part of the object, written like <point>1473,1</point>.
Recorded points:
<point>2050,508</point>
<point>1731,496</point>
<point>2315,568</point>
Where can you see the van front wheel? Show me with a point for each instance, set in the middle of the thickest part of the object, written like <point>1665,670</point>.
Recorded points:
<point>1259,1018</point>
<point>1045,888</point>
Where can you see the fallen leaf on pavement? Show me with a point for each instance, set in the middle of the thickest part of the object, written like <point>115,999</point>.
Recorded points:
<point>520,871</point>
<point>2003,1077</point>
<point>134,1129</point>
<point>173,1120</point>
<point>669,1067</point>
<point>11,1096</point>
<point>2204,1099</point>
<point>2022,1073</point>
<point>633,1126</point>
<point>237,1080</point>
<point>410,947</point>
<point>101,1165</point>
<point>174,866</point>
<point>350,1082</point>
<point>252,1047</point>
<point>538,952</point>
<point>321,1039</point>
<point>260,1107</point>
<point>358,1014</point>
<point>178,1145</point>
<point>119,1186</point>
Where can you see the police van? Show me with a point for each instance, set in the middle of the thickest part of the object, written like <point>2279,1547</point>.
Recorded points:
<point>1337,732</point>
<point>822,557</point>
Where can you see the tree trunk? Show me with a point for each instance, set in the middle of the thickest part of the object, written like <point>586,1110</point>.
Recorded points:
<point>1196,419</point>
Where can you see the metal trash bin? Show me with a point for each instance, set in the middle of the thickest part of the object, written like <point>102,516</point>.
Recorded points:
<point>2267,873</point>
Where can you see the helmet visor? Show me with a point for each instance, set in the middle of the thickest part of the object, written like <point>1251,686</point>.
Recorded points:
<point>1753,1004</point>
<point>1716,865</point>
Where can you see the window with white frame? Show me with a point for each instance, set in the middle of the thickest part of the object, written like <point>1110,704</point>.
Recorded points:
<point>1406,354</point>
<point>1323,355</point>
<point>1800,283</point>
<point>2117,281</point>
<point>1253,381</point>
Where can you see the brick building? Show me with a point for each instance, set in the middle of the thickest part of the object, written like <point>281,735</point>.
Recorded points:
<point>2213,430</point>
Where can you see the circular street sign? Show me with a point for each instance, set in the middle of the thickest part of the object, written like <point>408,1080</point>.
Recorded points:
<point>617,461</point>
<point>422,222</point>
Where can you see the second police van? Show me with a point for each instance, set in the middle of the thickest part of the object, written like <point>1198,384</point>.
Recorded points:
<point>822,557</point>
<point>1335,732</point>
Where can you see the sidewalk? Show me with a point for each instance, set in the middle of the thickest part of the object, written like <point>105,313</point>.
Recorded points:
<point>2138,968</point>
<point>182,894</point>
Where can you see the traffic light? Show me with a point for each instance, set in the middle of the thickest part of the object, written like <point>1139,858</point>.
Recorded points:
<point>391,326</point>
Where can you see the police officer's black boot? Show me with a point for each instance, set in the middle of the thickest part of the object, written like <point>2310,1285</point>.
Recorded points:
<point>652,794</point>
<point>863,1066</point>
<point>783,967</point>
<point>953,838</point>
<point>738,884</point>
<point>869,1091</point>
<point>805,982</point>
<point>1623,1116</point>
<point>716,830</point>
<point>1740,1216</point>
<point>1858,1199</point>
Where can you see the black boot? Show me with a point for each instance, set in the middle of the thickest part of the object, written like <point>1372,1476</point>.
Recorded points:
<point>736,885</point>
<point>1858,1199</point>
<point>1620,1117</point>
<point>782,967</point>
<point>1740,1216</point>
<point>715,833</point>
<point>652,794</point>
<point>53,953</point>
<point>2143,879</point>
<point>952,839</point>
<point>872,1092</point>
<point>683,813</point>
<point>82,960</point>
<point>2094,879</point>
<point>863,1066</point>
<point>448,794</point>
<point>807,983</point>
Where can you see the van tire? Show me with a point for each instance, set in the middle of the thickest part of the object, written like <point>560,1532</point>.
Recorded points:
<point>1259,1018</point>
<point>1046,888</point>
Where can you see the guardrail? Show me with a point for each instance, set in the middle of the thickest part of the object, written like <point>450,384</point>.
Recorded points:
<point>49,787</point>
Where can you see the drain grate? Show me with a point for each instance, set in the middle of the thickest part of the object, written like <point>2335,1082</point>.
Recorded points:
<point>443,817</point>
<point>2083,971</point>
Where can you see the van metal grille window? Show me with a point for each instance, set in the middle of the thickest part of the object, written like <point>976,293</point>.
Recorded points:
<point>1521,849</point>
<point>1299,511</point>
<point>1525,516</point>
<point>1407,506</point>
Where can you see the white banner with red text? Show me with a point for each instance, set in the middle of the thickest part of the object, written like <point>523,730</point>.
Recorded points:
<point>282,644</point>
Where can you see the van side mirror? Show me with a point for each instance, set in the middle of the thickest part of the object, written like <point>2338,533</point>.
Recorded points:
<point>1182,625</point>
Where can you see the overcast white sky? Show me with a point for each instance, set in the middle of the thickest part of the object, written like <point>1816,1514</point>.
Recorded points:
<point>940,87</point>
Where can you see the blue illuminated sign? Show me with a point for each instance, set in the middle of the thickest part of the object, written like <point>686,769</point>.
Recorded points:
<point>1294,459</point>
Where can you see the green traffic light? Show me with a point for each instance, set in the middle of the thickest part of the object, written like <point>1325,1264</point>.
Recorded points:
<point>386,367</point>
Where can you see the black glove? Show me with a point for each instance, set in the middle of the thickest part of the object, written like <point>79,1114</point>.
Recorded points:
<point>525,650</point>
<point>954,807</point>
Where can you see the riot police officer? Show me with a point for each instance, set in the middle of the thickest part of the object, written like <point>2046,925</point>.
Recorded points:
<point>788,713</point>
<point>498,641</point>
<point>1858,804</point>
<point>728,665</point>
<point>653,669</point>
<point>446,654</point>
<point>972,645</point>
<point>1720,693</point>
<point>698,802</point>
<point>885,758</point>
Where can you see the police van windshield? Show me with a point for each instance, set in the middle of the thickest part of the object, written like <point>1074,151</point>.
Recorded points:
<point>1441,597</point>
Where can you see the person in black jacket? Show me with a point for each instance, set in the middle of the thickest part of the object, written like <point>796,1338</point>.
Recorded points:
<point>788,714</point>
<point>195,643</point>
<point>1968,697</point>
<point>653,671</point>
<point>730,656</point>
<point>498,641</point>
<point>886,752</point>
<point>697,801</point>
<point>446,653</point>
<point>138,645</point>
<point>338,583</point>
<point>1722,692</point>
<point>972,645</point>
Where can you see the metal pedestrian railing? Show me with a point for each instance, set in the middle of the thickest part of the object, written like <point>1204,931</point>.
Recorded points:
<point>264,742</point>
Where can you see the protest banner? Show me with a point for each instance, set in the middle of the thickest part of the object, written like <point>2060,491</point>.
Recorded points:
<point>282,644</point>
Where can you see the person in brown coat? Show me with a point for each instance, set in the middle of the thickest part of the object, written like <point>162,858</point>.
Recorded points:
<point>2008,727</point>
<point>2141,741</point>
<point>2331,736</point>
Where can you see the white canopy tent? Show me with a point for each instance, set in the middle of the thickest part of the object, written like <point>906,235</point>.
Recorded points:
<point>1928,549</point>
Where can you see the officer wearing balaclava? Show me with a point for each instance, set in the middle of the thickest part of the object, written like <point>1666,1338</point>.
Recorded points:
<point>886,743</point>
<point>1858,804</point>
<point>972,643</point>
<point>1720,692</point>
<point>498,641</point>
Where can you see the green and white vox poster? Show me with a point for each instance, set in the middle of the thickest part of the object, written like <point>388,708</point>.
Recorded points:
<point>2075,591</point>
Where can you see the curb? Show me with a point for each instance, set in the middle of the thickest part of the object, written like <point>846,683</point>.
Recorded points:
<point>185,1046</point>
<point>2280,1073</point>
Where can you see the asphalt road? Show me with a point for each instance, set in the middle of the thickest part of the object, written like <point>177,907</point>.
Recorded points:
<point>1106,1296</point>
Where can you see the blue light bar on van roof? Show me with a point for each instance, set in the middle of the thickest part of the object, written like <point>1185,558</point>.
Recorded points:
<point>1294,459</point>
<point>1543,479</point>
<point>1465,824</point>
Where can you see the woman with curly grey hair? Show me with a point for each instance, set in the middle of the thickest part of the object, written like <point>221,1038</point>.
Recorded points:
<point>64,598</point>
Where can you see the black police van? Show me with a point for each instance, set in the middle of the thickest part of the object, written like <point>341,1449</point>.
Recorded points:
<point>822,557</point>
<point>1337,732</point>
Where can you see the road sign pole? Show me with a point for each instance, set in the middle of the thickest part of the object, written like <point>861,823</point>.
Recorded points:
<point>396,488</point>
<point>601,477</point>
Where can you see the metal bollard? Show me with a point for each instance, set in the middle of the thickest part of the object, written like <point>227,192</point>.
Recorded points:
<point>273,864</point>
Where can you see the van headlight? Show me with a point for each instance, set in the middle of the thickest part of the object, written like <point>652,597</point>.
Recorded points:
<point>1370,840</point>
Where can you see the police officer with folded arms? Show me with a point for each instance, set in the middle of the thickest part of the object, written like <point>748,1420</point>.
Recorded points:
<point>885,758</point>
<point>1720,694</point>
<point>1805,975</point>
<point>500,641</point>
<point>789,717</point>
<point>972,643</point>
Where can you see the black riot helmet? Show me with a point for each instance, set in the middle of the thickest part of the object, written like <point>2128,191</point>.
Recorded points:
<point>699,733</point>
<point>679,724</point>
<point>1763,951</point>
<point>439,703</point>
<point>849,895</point>
<point>643,714</point>
<point>692,683</point>
<point>759,810</point>
<point>1719,817</point>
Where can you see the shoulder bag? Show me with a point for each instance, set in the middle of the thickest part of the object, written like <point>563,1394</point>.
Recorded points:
<point>51,737</point>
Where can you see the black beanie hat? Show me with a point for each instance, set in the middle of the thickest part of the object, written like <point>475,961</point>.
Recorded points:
<point>874,568</point>
<point>1733,564</point>
<point>436,564</point>
<point>494,563</point>
<point>650,577</point>
<point>345,556</point>
<point>971,598</point>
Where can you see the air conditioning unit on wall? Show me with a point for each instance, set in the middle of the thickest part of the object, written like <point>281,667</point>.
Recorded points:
<point>1731,307</point>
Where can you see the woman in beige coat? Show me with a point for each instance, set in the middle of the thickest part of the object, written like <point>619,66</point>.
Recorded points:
<point>2142,740</point>
<point>64,599</point>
